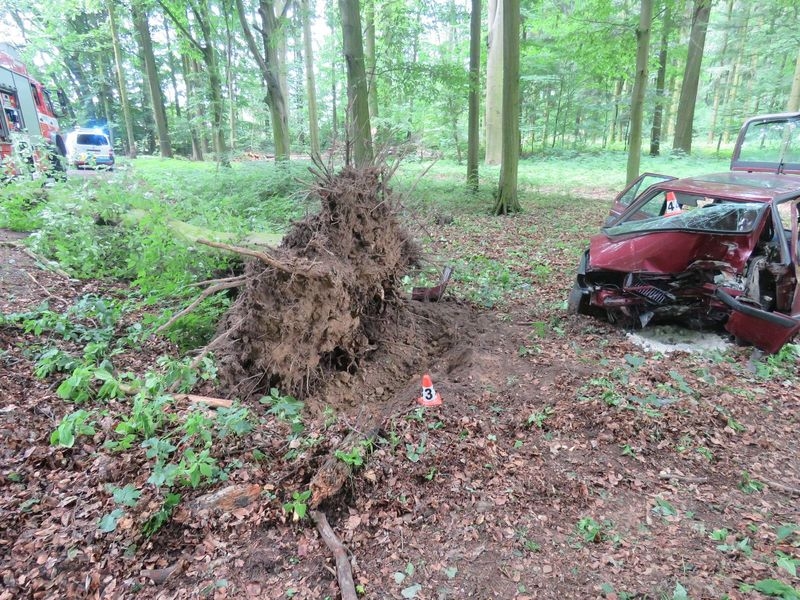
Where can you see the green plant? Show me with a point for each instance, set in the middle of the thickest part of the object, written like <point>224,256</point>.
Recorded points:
<point>285,408</point>
<point>415,451</point>
<point>158,519</point>
<point>749,485</point>
<point>773,588</point>
<point>71,426</point>
<point>353,458</point>
<point>197,467</point>
<point>298,506</point>
<point>538,418</point>
<point>589,529</point>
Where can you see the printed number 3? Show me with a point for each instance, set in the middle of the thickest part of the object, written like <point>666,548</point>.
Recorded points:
<point>427,393</point>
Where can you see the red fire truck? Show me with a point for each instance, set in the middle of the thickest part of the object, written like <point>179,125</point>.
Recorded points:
<point>30,138</point>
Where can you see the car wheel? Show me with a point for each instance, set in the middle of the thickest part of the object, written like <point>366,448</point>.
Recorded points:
<point>578,302</point>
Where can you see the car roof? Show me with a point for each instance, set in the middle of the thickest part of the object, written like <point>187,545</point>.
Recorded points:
<point>751,187</point>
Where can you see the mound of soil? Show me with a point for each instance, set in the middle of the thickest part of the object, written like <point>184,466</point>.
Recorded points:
<point>318,304</point>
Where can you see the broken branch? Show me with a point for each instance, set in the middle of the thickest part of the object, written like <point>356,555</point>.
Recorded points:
<point>206,293</point>
<point>344,573</point>
<point>207,400</point>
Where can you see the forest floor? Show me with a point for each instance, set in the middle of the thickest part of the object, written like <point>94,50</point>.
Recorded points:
<point>564,462</point>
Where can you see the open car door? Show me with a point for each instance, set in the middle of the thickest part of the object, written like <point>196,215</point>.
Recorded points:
<point>627,196</point>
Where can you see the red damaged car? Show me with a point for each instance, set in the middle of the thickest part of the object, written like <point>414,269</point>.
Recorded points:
<point>708,251</point>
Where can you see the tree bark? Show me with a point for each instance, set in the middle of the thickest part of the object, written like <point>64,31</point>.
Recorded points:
<point>311,86</point>
<point>359,131</point>
<point>682,140</point>
<point>123,87</point>
<point>639,87</point>
<point>153,81</point>
<point>473,127</point>
<point>493,121</point>
<point>369,57</point>
<point>794,96</point>
<point>658,110</point>
<point>507,199</point>
<point>268,65</point>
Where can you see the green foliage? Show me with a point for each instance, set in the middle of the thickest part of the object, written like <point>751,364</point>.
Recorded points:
<point>298,505</point>
<point>589,529</point>
<point>21,203</point>
<point>774,588</point>
<point>71,426</point>
<point>286,408</point>
<point>162,515</point>
<point>538,418</point>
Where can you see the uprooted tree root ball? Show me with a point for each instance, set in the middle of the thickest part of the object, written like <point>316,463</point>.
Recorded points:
<point>314,305</point>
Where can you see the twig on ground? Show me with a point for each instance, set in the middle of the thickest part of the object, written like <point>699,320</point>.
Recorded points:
<point>207,400</point>
<point>344,573</point>
<point>684,478</point>
<point>45,290</point>
<point>793,491</point>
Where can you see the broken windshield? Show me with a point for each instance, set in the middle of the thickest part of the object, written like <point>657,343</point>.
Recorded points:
<point>668,210</point>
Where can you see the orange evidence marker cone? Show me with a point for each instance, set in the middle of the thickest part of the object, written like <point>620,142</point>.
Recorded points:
<point>430,397</point>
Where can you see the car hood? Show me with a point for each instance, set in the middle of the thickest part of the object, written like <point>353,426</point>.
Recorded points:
<point>668,252</point>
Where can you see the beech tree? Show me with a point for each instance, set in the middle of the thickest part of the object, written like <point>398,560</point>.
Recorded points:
<point>473,132</point>
<point>269,64</point>
<point>153,82</point>
<point>507,200</point>
<point>639,86</point>
<point>359,131</point>
<point>691,77</point>
<point>493,122</point>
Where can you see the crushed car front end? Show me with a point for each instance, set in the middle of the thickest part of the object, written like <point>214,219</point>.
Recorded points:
<point>705,253</point>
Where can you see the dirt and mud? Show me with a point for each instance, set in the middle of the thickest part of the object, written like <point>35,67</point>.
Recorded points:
<point>564,461</point>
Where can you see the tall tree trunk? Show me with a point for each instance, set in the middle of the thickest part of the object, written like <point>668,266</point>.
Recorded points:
<point>123,87</point>
<point>191,115</point>
<point>229,80</point>
<point>311,86</point>
<point>493,122</point>
<point>691,77</point>
<point>473,126</point>
<point>153,82</point>
<point>658,110</point>
<point>172,70</point>
<point>507,198</point>
<point>719,81</point>
<point>615,126</point>
<point>639,86</point>
<point>369,56</point>
<point>794,96</point>
<point>360,133</point>
<point>268,65</point>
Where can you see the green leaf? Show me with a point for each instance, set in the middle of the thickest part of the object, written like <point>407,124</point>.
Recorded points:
<point>778,589</point>
<point>411,591</point>
<point>109,522</point>
<point>127,496</point>
<point>451,572</point>
<point>680,592</point>
<point>788,564</point>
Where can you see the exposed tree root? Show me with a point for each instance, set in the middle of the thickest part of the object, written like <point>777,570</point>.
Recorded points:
<point>227,284</point>
<point>344,573</point>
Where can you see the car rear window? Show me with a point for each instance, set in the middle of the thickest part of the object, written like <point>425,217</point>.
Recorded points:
<point>92,139</point>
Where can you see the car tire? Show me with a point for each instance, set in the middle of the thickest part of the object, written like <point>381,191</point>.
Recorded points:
<point>578,301</point>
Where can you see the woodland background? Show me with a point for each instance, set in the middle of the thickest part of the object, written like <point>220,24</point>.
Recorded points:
<point>191,84</point>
